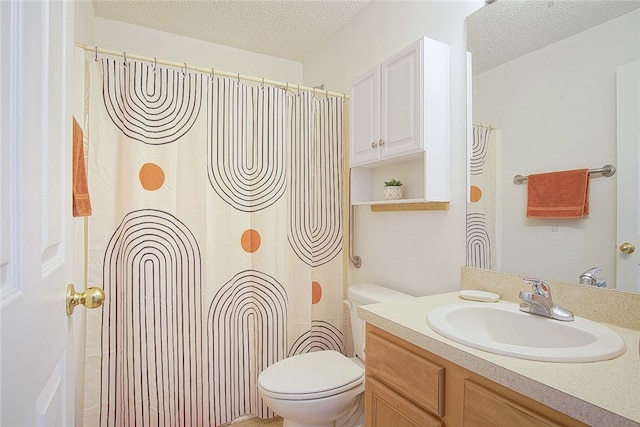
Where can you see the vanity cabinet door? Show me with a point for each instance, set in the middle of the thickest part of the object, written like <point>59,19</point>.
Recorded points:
<point>384,408</point>
<point>417,378</point>
<point>485,408</point>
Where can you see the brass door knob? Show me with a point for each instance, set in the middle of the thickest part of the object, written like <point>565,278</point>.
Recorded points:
<point>627,248</point>
<point>90,298</point>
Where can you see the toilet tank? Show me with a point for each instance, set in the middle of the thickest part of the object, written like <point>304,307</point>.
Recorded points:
<point>363,294</point>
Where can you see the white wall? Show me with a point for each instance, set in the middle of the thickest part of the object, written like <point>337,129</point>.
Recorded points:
<point>419,253</point>
<point>556,109</point>
<point>147,42</point>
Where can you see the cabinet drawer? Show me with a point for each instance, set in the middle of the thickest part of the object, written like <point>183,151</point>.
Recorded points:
<point>485,408</point>
<point>384,407</point>
<point>420,380</point>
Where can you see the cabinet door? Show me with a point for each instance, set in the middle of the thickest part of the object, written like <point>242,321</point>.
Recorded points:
<point>365,118</point>
<point>384,408</point>
<point>401,102</point>
<point>485,408</point>
<point>405,370</point>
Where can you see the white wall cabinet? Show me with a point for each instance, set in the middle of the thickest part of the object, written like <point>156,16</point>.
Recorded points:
<point>400,113</point>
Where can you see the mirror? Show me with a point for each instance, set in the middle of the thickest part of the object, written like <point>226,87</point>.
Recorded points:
<point>544,91</point>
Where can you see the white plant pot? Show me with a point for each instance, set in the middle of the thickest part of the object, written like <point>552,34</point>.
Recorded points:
<point>392,193</point>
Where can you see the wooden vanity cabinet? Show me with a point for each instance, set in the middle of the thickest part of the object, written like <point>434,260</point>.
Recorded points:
<point>407,386</point>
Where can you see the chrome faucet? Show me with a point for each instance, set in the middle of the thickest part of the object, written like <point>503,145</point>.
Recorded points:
<point>589,278</point>
<point>539,301</point>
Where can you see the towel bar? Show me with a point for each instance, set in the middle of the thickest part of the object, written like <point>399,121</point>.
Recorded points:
<point>606,170</point>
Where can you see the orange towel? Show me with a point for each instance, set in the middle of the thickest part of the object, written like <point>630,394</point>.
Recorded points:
<point>558,194</point>
<point>81,201</point>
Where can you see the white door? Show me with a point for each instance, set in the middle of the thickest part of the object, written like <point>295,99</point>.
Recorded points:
<point>628,100</point>
<point>35,215</point>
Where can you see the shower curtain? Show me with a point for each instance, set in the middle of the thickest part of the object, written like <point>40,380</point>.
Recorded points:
<point>216,235</point>
<point>481,206</point>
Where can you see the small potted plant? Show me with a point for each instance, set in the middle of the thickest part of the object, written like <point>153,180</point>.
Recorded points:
<point>392,190</point>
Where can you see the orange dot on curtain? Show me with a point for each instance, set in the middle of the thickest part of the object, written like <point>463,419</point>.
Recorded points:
<point>475,193</point>
<point>316,292</point>
<point>250,240</point>
<point>151,176</point>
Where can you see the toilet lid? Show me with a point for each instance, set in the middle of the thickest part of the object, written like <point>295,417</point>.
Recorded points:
<point>310,373</point>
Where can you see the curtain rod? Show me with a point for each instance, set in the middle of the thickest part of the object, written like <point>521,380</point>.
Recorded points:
<point>213,71</point>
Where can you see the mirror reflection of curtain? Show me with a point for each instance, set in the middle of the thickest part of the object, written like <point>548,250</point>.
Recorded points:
<point>216,236</point>
<point>481,206</point>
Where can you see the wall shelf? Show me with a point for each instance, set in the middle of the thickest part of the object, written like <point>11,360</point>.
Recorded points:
<point>396,206</point>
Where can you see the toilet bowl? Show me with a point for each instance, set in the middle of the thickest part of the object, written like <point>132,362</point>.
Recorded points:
<point>324,388</point>
<point>312,389</point>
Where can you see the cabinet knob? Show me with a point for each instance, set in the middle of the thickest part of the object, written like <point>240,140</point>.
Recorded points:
<point>374,144</point>
<point>381,142</point>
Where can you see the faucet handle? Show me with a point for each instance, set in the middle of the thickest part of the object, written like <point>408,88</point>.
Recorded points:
<point>538,286</point>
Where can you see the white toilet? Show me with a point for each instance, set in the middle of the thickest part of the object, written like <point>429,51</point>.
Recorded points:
<point>324,388</point>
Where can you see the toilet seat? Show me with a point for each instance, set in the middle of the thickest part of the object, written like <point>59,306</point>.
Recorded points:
<point>310,376</point>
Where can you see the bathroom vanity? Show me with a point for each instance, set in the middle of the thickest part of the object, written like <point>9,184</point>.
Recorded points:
<point>407,385</point>
<point>416,377</point>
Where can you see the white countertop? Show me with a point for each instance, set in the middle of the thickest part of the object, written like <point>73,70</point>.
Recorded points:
<point>603,393</point>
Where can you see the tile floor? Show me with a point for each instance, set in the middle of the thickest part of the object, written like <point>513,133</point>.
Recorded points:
<point>258,422</point>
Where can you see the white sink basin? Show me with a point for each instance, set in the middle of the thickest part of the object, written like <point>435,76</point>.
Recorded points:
<point>502,328</point>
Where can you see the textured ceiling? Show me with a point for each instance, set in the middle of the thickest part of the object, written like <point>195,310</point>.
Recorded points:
<point>294,29</point>
<point>507,29</point>
<point>290,29</point>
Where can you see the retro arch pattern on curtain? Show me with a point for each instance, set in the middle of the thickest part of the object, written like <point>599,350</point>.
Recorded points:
<point>247,331</point>
<point>248,165</point>
<point>151,104</point>
<point>246,144</point>
<point>481,207</point>
<point>232,198</point>
<point>322,336</point>
<point>152,340</point>
<point>315,198</point>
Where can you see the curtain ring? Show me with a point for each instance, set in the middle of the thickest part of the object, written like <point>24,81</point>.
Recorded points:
<point>96,58</point>
<point>326,93</point>
<point>238,78</point>
<point>125,58</point>
<point>287,87</point>
<point>155,63</point>
<point>184,72</point>
<point>263,83</point>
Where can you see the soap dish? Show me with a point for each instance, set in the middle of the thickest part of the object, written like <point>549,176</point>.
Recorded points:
<point>482,296</point>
